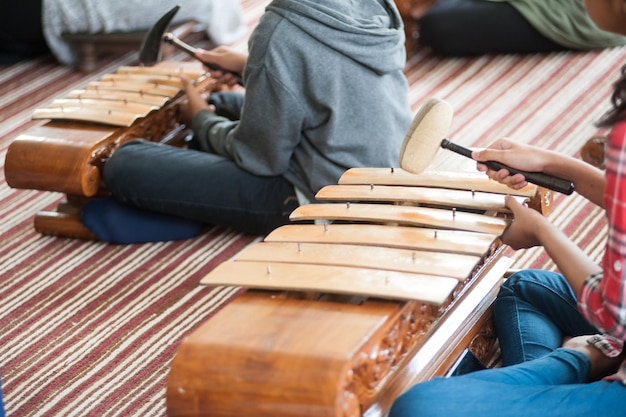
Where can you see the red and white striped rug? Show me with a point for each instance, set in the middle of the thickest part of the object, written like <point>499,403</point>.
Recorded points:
<point>89,329</point>
<point>550,101</point>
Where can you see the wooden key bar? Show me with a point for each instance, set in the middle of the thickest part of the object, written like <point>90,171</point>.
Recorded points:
<point>334,279</point>
<point>404,237</point>
<point>379,257</point>
<point>407,215</point>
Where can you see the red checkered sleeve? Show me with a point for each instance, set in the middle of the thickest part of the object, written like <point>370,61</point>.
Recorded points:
<point>602,299</point>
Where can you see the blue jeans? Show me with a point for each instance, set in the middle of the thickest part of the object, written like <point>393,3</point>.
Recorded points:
<point>1,402</point>
<point>533,311</point>
<point>197,185</point>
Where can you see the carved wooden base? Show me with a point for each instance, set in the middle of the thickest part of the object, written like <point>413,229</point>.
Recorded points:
<point>68,156</point>
<point>65,221</point>
<point>270,354</point>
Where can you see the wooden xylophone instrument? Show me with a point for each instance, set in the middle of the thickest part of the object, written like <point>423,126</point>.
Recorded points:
<point>382,285</point>
<point>79,132</point>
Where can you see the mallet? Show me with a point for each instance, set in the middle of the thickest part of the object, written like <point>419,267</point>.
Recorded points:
<point>428,132</point>
<point>150,50</point>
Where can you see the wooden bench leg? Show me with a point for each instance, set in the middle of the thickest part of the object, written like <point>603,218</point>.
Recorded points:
<point>88,57</point>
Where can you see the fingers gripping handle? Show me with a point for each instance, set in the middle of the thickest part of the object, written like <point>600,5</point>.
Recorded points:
<point>537,178</point>
<point>191,51</point>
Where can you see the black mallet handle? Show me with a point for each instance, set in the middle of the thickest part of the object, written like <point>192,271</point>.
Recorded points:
<point>537,178</point>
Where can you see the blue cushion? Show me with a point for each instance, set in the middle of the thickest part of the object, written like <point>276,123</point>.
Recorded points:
<point>115,222</point>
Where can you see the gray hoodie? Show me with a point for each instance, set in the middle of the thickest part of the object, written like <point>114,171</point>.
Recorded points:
<point>325,92</point>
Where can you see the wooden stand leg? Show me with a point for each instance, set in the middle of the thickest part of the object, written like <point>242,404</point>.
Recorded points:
<point>65,221</point>
<point>593,151</point>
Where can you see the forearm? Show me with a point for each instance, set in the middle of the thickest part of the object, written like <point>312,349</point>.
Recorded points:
<point>571,261</point>
<point>214,133</point>
<point>588,180</point>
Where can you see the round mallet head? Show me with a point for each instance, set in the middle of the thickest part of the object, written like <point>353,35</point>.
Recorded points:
<point>423,139</point>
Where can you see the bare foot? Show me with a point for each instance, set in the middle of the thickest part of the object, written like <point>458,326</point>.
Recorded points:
<point>601,365</point>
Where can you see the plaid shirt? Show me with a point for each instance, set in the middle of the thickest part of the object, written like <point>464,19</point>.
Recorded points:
<point>602,299</point>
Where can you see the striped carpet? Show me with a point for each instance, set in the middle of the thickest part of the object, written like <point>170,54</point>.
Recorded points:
<point>89,329</point>
<point>548,100</point>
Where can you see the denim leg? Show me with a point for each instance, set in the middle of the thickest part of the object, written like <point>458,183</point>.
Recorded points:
<point>534,310</point>
<point>549,386</point>
<point>198,186</point>
<point>477,27</point>
<point>2,414</point>
<point>560,367</point>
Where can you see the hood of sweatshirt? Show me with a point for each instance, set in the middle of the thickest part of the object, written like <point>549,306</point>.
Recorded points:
<point>367,31</point>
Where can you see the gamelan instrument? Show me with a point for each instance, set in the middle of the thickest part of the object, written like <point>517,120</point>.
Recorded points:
<point>384,282</point>
<point>81,131</point>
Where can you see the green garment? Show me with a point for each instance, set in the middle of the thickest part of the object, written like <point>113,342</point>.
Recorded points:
<point>565,22</point>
